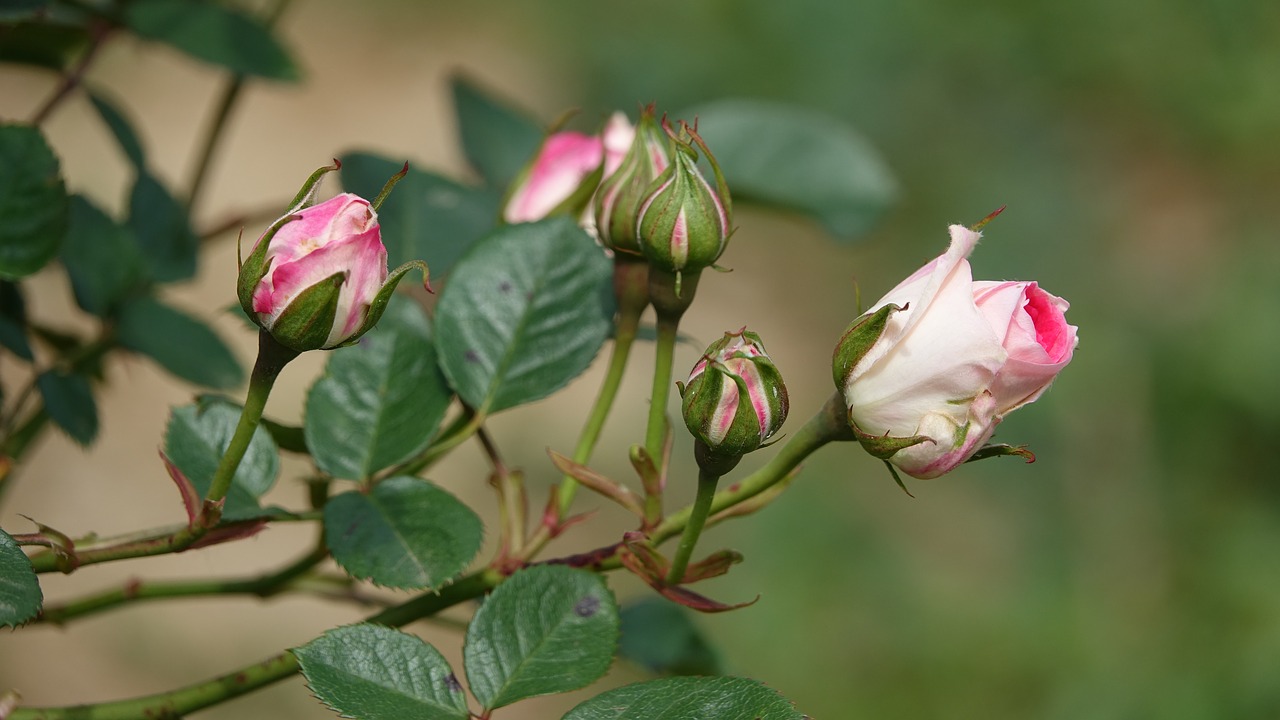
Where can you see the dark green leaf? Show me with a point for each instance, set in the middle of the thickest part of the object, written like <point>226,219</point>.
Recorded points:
<point>101,257</point>
<point>705,698</point>
<point>181,344</point>
<point>660,636</point>
<point>120,128</point>
<point>800,160</point>
<point>20,596</point>
<point>162,227</point>
<point>379,401</point>
<point>69,401</point>
<point>33,202</point>
<point>214,33</point>
<point>497,140</point>
<point>427,217</point>
<point>195,440</point>
<point>377,673</point>
<point>406,533</point>
<point>524,313</point>
<point>13,321</point>
<point>547,629</point>
<point>41,43</point>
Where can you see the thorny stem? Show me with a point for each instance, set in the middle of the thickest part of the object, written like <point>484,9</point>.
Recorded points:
<point>826,426</point>
<point>262,586</point>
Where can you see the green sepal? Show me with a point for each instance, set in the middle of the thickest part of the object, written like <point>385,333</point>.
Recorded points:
<point>386,188</point>
<point>722,187</point>
<point>884,446</point>
<point>306,197</point>
<point>307,322</point>
<point>253,269</point>
<point>380,301</point>
<point>858,340</point>
<point>999,449</point>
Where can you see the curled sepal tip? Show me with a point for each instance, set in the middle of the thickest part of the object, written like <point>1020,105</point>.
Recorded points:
<point>391,183</point>
<point>999,449</point>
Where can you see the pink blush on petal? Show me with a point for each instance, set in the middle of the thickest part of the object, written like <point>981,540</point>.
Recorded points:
<point>1052,331</point>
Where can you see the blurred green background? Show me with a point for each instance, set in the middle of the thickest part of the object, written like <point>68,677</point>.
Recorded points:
<point>1131,571</point>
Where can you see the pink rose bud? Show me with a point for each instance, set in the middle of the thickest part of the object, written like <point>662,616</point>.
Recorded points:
<point>930,372</point>
<point>617,203</point>
<point>317,278</point>
<point>734,400</point>
<point>560,179</point>
<point>324,269</point>
<point>683,222</point>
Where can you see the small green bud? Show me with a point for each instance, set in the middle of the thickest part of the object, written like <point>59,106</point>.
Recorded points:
<point>683,222</point>
<point>735,399</point>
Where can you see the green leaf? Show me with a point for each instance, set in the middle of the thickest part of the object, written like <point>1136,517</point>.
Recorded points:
<point>798,159</point>
<point>42,43</point>
<point>497,140</point>
<point>406,533</point>
<point>705,698</point>
<point>33,202</point>
<point>195,440</point>
<point>162,227</point>
<point>377,673</point>
<point>120,128</point>
<point>101,257</point>
<point>547,629</point>
<point>214,33</point>
<point>20,596</point>
<point>13,321</point>
<point>379,401</point>
<point>68,398</point>
<point>524,313</point>
<point>427,217</point>
<point>181,344</point>
<point>660,636</point>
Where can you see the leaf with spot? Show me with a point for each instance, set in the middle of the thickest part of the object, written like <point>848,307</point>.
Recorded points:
<point>195,440</point>
<point>428,217</point>
<point>405,533</point>
<point>547,629</point>
<point>524,313</point>
<point>20,595</point>
<point>379,401</point>
<point>681,698</point>
<point>799,159</point>
<point>378,673</point>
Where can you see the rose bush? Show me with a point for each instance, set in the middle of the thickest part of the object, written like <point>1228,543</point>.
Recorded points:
<point>933,368</point>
